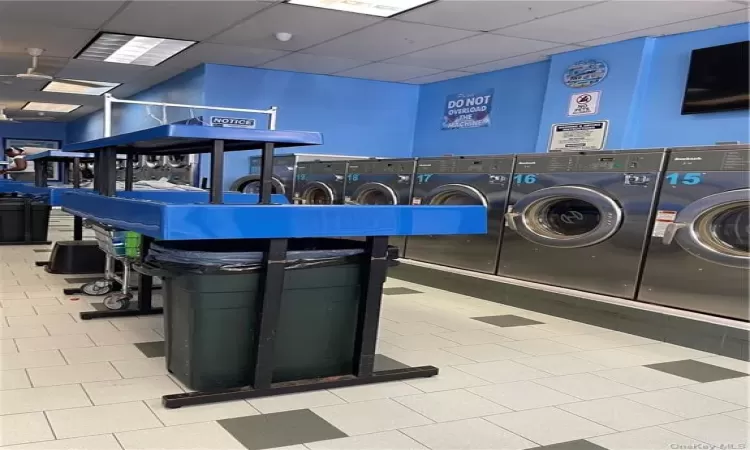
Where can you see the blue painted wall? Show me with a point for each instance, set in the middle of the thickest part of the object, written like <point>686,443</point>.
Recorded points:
<point>33,130</point>
<point>357,117</point>
<point>516,110</point>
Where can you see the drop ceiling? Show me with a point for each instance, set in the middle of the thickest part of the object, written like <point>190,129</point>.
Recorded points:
<point>441,40</point>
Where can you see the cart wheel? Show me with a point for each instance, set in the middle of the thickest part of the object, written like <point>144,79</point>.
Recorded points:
<point>101,287</point>
<point>117,301</point>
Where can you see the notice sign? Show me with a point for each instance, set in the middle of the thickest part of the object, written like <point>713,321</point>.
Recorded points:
<point>573,137</point>
<point>232,122</point>
<point>584,104</point>
<point>467,110</point>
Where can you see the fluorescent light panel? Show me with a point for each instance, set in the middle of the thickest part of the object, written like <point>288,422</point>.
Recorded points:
<point>66,88</point>
<point>380,8</point>
<point>127,49</point>
<point>50,107</point>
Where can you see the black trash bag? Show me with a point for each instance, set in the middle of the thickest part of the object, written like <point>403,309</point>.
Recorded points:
<point>170,258</point>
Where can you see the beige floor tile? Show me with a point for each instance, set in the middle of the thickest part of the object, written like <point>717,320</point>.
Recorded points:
<point>46,319</point>
<point>721,361</point>
<point>8,346</point>
<point>565,364</point>
<point>370,417</point>
<point>414,328</point>
<point>93,420</point>
<point>386,440</point>
<point>137,323</point>
<point>735,390</point>
<point>200,436</point>
<point>375,391</point>
<point>547,426</point>
<point>37,344</point>
<point>569,328</point>
<point>30,302</point>
<point>587,386</point>
<point>139,368</point>
<point>447,379</point>
<point>523,395</point>
<point>67,308</point>
<point>98,354</point>
<point>24,428</point>
<point>72,374</point>
<point>42,292</point>
<point>471,434</point>
<point>79,327</point>
<point>200,413</point>
<point>719,430</point>
<point>654,438</point>
<point>304,400</point>
<point>420,342</point>
<point>438,358</point>
<point>25,360</point>
<point>620,414</point>
<point>22,332</point>
<point>117,391</point>
<point>18,401</point>
<point>486,352</point>
<point>502,371</point>
<point>665,352</point>
<point>474,337</point>
<point>742,414</point>
<point>684,403</point>
<point>102,338</point>
<point>17,311</point>
<point>447,406</point>
<point>643,378</point>
<point>540,347</point>
<point>101,442</point>
<point>521,333</point>
<point>616,358</point>
<point>14,379</point>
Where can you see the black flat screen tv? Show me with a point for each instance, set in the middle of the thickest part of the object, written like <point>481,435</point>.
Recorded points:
<point>718,79</point>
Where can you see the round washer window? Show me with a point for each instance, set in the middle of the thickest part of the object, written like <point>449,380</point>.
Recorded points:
<point>374,197</point>
<point>317,196</point>
<point>727,229</point>
<point>455,198</point>
<point>570,217</point>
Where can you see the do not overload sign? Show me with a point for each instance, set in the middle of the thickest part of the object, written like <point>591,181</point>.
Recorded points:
<point>468,110</point>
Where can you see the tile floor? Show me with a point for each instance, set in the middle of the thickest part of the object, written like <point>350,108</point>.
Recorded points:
<point>509,379</point>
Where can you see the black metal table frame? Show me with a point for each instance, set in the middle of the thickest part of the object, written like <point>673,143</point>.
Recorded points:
<point>373,276</point>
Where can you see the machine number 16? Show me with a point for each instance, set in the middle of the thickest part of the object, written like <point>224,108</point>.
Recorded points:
<point>525,179</point>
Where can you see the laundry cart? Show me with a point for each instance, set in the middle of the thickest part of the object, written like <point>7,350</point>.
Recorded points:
<point>282,352</point>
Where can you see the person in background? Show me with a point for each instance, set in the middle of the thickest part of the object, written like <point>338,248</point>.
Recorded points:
<point>19,169</point>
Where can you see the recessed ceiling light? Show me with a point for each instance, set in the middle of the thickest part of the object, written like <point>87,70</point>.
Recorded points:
<point>67,88</point>
<point>128,49</point>
<point>380,8</point>
<point>50,107</point>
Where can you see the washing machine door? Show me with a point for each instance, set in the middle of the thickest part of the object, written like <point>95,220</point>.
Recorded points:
<point>317,193</point>
<point>566,217</point>
<point>715,228</point>
<point>178,161</point>
<point>455,194</point>
<point>374,194</point>
<point>153,162</point>
<point>252,186</point>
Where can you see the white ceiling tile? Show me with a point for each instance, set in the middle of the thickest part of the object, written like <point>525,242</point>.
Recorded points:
<point>79,69</point>
<point>11,64</point>
<point>474,50</point>
<point>486,15</point>
<point>13,94</point>
<point>60,42</point>
<point>614,17</point>
<point>301,62</point>
<point>88,15</point>
<point>388,39</point>
<point>703,23</point>
<point>520,60</point>
<point>442,76</point>
<point>222,54</point>
<point>308,26</point>
<point>387,72</point>
<point>191,20</point>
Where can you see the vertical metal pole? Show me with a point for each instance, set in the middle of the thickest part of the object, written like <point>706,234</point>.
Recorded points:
<point>40,173</point>
<point>108,170</point>
<point>145,282</point>
<point>266,174</point>
<point>272,118</point>
<point>216,196</point>
<point>372,279</point>
<point>77,221</point>
<point>107,115</point>
<point>129,172</point>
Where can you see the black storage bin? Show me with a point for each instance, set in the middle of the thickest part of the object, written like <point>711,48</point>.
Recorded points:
<point>17,214</point>
<point>211,318</point>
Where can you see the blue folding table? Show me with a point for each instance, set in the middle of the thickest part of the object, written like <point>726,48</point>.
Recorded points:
<point>271,223</point>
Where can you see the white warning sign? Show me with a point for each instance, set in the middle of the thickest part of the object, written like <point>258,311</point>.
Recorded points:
<point>584,104</point>
<point>663,219</point>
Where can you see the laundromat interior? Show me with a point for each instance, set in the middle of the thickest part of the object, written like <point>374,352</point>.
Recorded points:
<point>374,224</point>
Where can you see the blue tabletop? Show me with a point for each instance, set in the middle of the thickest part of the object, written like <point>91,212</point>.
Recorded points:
<point>173,139</point>
<point>58,155</point>
<point>247,221</point>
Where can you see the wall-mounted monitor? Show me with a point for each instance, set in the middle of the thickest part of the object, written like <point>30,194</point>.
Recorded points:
<point>719,79</point>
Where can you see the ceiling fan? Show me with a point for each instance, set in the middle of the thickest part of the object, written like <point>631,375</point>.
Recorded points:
<point>32,74</point>
<point>39,117</point>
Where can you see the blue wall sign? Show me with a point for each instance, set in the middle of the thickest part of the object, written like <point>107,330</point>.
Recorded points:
<point>585,73</point>
<point>232,122</point>
<point>467,110</point>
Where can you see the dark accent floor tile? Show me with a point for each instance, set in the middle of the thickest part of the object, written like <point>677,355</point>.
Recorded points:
<point>99,307</point>
<point>152,349</point>
<point>280,429</point>
<point>696,370</point>
<point>572,445</point>
<point>82,280</point>
<point>42,250</point>
<point>507,320</point>
<point>383,362</point>
<point>399,291</point>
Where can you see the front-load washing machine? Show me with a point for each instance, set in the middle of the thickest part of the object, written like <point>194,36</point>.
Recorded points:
<point>699,254</point>
<point>320,182</point>
<point>581,220</point>
<point>380,182</point>
<point>464,180</point>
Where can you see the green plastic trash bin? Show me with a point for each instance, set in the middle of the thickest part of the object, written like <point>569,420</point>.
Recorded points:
<point>211,316</point>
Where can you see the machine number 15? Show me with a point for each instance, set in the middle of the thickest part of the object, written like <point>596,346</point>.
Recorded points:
<point>689,178</point>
